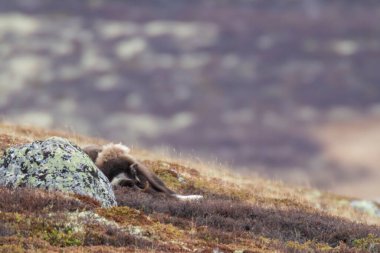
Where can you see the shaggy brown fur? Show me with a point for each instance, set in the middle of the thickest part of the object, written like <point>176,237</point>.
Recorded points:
<point>113,160</point>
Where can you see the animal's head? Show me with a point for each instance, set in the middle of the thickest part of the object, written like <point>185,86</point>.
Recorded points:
<point>108,153</point>
<point>117,164</point>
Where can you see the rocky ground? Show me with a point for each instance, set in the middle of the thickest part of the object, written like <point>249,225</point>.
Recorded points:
<point>238,214</point>
<point>257,84</point>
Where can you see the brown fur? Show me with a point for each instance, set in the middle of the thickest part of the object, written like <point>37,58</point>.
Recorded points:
<point>93,151</point>
<point>113,159</point>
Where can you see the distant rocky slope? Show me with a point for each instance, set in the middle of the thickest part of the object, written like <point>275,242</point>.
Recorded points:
<point>238,214</point>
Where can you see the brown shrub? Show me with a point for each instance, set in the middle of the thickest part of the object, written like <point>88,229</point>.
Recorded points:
<point>26,244</point>
<point>116,237</point>
<point>34,200</point>
<point>112,236</point>
<point>250,220</point>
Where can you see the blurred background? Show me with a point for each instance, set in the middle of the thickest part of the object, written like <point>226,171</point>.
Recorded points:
<point>286,89</point>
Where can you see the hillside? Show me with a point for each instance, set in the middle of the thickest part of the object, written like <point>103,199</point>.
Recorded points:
<point>239,213</point>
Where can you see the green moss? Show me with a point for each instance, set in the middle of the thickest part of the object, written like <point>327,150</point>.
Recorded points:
<point>14,219</point>
<point>55,233</point>
<point>11,248</point>
<point>62,237</point>
<point>165,173</point>
<point>166,231</point>
<point>309,246</point>
<point>53,230</point>
<point>370,243</point>
<point>170,178</point>
<point>124,215</point>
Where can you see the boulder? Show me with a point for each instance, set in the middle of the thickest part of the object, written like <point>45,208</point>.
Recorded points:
<point>55,164</point>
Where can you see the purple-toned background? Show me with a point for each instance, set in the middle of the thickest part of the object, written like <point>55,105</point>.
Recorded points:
<point>241,81</point>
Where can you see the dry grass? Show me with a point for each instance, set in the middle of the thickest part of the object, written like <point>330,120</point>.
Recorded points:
<point>238,212</point>
<point>11,135</point>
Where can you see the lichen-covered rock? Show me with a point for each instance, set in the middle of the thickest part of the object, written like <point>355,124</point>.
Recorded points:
<point>55,164</point>
<point>366,206</point>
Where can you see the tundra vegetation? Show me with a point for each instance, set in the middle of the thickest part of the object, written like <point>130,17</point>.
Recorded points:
<point>238,214</point>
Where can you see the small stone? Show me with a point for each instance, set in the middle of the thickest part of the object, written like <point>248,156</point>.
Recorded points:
<point>366,206</point>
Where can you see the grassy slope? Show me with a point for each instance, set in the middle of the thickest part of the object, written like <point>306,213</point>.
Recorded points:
<point>238,213</point>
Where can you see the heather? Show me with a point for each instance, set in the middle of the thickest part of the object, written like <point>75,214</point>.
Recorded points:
<point>238,213</point>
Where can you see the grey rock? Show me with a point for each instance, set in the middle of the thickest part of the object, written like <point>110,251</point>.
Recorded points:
<point>366,206</point>
<point>55,164</point>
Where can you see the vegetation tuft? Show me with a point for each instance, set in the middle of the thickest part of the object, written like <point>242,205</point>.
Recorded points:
<point>25,200</point>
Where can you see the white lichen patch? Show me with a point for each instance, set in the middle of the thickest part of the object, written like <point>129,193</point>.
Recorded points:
<point>344,47</point>
<point>128,49</point>
<point>26,66</point>
<point>92,60</point>
<point>112,29</point>
<point>78,220</point>
<point>366,206</point>
<point>18,24</point>
<point>181,30</point>
<point>135,230</point>
<point>190,35</point>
